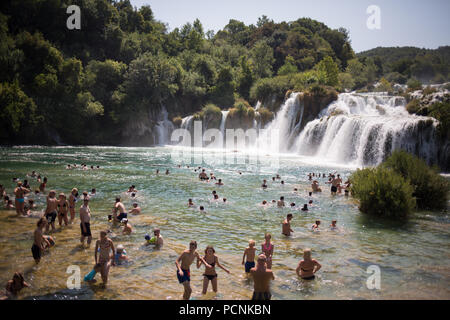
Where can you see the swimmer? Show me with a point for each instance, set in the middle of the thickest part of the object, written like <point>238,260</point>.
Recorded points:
<point>219,183</point>
<point>51,210</point>
<point>292,205</point>
<point>85,194</point>
<point>93,192</point>
<point>157,171</point>
<point>118,206</point>
<point>63,209</point>
<point>333,226</point>
<point>305,207</point>
<point>278,177</point>
<point>136,209</point>
<point>273,179</point>
<point>212,177</point>
<point>29,206</point>
<point>249,252</point>
<point>216,197</point>
<point>282,182</point>
<point>72,200</point>
<point>267,248</point>
<point>224,200</point>
<point>103,256</point>
<point>183,264</point>
<point>202,209</point>
<point>262,275</point>
<point>127,228</point>
<point>159,239</point>
<point>19,192</point>
<point>203,175</point>
<point>210,273</point>
<point>315,186</point>
<point>264,184</point>
<point>39,240</point>
<point>316,226</point>
<point>280,203</point>
<point>167,171</point>
<point>264,203</point>
<point>85,224</point>
<point>9,205</point>
<point>307,267</point>
<point>190,203</point>
<point>43,185</point>
<point>286,229</point>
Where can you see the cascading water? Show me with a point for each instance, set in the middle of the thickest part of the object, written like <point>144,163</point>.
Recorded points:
<point>164,127</point>
<point>223,122</point>
<point>363,129</point>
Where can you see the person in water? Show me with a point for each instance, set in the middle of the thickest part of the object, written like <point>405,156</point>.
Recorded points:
<point>19,193</point>
<point>183,264</point>
<point>210,273</point>
<point>29,206</point>
<point>305,207</point>
<point>121,255</point>
<point>249,252</point>
<point>72,200</point>
<point>40,241</point>
<point>136,209</point>
<point>190,203</point>
<point>307,267</point>
<point>264,184</point>
<point>85,224</point>
<point>203,175</point>
<point>262,275</point>
<point>286,229</point>
<point>63,209</point>
<point>202,209</point>
<point>316,226</point>
<point>104,255</point>
<point>280,203</point>
<point>315,186</point>
<point>267,248</point>
<point>15,285</point>
<point>333,226</point>
<point>219,183</point>
<point>43,185</point>
<point>118,206</point>
<point>51,210</point>
<point>9,205</point>
<point>127,228</point>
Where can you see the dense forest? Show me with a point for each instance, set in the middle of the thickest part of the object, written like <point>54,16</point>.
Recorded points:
<point>89,86</point>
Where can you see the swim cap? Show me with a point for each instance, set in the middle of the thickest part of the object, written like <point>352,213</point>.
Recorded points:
<point>147,237</point>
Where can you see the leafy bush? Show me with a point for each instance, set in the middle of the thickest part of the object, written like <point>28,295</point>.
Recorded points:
<point>265,115</point>
<point>212,115</point>
<point>414,84</point>
<point>413,106</point>
<point>382,192</point>
<point>177,121</point>
<point>429,188</point>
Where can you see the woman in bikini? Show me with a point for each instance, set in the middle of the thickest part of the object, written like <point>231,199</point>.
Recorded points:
<point>72,199</point>
<point>267,248</point>
<point>307,267</point>
<point>19,192</point>
<point>63,208</point>
<point>210,272</point>
<point>104,256</point>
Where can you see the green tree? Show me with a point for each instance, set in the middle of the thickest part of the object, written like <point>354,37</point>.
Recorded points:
<point>289,67</point>
<point>262,59</point>
<point>330,70</point>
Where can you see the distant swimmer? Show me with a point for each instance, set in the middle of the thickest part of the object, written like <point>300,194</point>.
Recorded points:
<point>51,211</point>
<point>167,171</point>
<point>282,182</point>
<point>202,209</point>
<point>212,177</point>
<point>157,240</point>
<point>216,197</point>
<point>249,252</point>
<point>210,274</point>
<point>190,203</point>
<point>262,275</point>
<point>157,171</point>
<point>63,209</point>
<point>333,226</point>
<point>264,203</point>
<point>121,255</point>
<point>264,184</point>
<point>316,226</point>
<point>19,193</point>
<point>305,207</point>
<point>102,252</point>
<point>26,185</point>
<point>136,209</point>
<point>85,222</point>
<point>203,175</point>
<point>183,264</point>
<point>307,267</point>
<point>118,206</point>
<point>267,248</point>
<point>315,186</point>
<point>43,185</point>
<point>280,203</point>
<point>127,228</point>
<point>93,192</point>
<point>224,200</point>
<point>286,229</point>
<point>334,184</point>
<point>219,183</point>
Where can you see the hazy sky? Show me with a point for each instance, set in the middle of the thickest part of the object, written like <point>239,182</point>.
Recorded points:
<point>424,24</point>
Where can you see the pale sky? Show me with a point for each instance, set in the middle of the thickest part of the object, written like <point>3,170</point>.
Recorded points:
<point>423,24</point>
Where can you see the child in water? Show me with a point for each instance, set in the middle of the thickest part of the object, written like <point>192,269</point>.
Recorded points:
<point>250,253</point>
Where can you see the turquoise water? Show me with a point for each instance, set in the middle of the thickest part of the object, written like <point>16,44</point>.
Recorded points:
<point>413,256</point>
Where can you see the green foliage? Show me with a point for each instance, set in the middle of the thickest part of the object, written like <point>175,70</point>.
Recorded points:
<point>429,188</point>
<point>346,80</point>
<point>289,67</point>
<point>414,84</point>
<point>262,59</point>
<point>384,86</point>
<point>265,115</point>
<point>223,91</point>
<point>413,106</point>
<point>212,115</point>
<point>329,72</point>
<point>382,192</point>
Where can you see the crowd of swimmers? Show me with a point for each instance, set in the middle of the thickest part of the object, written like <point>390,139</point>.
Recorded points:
<point>107,255</point>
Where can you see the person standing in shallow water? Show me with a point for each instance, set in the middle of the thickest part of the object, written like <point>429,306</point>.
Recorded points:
<point>72,199</point>
<point>104,255</point>
<point>51,210</point>
<point>307,267</point>
<point>267,249</point>
<point>210,273</point>
<point>183,264</point>
<point>262,275</point>
<point>39,240</point>
<point>85,224</point>
<point>286,229</point>
<point>19,192</point>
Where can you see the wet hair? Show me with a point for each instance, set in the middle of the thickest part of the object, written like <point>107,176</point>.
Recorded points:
<point>18,276</point>
<point>267,235</point>
<point>209,247</point>
<point>224,199</point>
<point>282,181</point>
<point>292,204</point>
<point>93,190</point>
<point>190,200</point>
<point>193,242</point>
<point>281,198</point>
<point>307,253</point>
<point>310,201</point>
<point>41,221</point>
<point>289,215</point>
<point>317,222</point>
<point>202,208</point>
<point>264,202</point>
<point>133,194</point>
<point>117,199</point>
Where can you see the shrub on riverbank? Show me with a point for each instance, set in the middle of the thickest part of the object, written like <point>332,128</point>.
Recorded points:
<point>382,192</point>
<point>429,188</point>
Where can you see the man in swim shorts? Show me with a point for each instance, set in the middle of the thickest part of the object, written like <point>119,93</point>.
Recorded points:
<point>183,264</point>
<point>85,225</point>
<point>118,206</point>
<point>51,210</point>
<point>286,229</point>
<point>40,242</point>
<point>261,279</point>
<point>250,253</point>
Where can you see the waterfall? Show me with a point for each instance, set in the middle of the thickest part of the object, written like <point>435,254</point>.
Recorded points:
<point>363,129</point>
<point>186,124</point>
<point>163,127</point>
<point>223,122</point>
